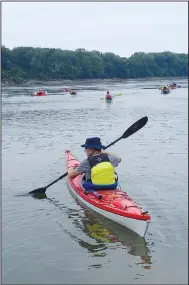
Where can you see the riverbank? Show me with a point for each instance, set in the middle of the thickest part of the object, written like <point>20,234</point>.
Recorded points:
<point>23,64</point>
<point>8,83</point>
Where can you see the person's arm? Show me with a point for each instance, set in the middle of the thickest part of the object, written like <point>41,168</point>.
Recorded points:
<point>79,169</point>
<point>73,172</point>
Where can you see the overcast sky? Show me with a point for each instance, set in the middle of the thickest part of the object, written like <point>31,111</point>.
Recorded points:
<point>122,28</point>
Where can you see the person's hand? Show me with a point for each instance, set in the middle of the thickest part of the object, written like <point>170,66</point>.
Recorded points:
<point>75,164</point>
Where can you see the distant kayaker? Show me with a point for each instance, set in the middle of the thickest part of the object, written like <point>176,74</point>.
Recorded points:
<point>39,92</point>
<point>98,167</point>
<point>173,85</point>
<point>66,90</point>
<point>108,96</point>
<point>73,92</point>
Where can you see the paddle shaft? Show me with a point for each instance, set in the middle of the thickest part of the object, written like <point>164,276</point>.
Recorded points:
<point>62,176</point>
<point>130,131</point>
<point>113,142</point>
<point>120,94</point>
<point>65,174</point>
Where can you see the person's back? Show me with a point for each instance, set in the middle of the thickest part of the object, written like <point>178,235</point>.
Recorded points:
<point>98,167</point>
<point>108,96</point>
<point>39,92</point>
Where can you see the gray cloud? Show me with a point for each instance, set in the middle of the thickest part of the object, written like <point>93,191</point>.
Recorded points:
<point>122,28</point>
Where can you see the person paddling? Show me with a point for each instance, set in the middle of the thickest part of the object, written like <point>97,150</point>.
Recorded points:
<point>39,92</point>
<point>98,167</point>
<point>73,92</point>
<point>166,88</point>
<point>108,96</point>
<point>173,85</point>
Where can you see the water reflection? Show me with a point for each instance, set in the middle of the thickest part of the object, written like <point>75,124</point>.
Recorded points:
<point>106,234</point>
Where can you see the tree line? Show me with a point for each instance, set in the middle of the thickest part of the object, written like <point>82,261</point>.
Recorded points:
<point>27,63</point>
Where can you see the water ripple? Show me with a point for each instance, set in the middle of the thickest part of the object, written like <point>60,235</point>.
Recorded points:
<point>69,242</point>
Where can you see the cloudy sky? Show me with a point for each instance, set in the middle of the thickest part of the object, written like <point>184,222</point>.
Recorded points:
<point>122,28</point>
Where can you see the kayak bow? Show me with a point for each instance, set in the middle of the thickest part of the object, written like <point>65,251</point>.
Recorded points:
<point>115,205</point>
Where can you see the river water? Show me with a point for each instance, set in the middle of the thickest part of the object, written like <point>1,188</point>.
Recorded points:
<point>57,241</point>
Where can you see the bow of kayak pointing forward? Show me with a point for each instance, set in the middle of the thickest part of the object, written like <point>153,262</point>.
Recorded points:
<point>115,205</point>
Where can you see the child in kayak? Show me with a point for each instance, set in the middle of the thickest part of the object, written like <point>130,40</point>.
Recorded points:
<point>98,167</point>
<point>108,96</point>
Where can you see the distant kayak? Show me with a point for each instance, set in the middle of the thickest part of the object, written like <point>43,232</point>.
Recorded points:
<point>108,100</point>
<point>173,87</point>
<point>165,91</point>
<point>40,94</point>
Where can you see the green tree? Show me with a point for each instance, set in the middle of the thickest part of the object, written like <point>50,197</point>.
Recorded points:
<point>26,63</point>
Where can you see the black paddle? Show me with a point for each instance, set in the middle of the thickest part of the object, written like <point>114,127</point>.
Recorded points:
<point>129,132</point>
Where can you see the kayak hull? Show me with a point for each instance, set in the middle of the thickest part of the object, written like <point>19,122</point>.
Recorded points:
<point>39,95</point>
<point>110,206</point>
<point>165,91</point>
<point>108,101</point>
<point>138,226</point>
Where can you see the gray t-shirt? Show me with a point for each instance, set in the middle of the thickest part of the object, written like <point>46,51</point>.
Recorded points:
<point>84,166</point>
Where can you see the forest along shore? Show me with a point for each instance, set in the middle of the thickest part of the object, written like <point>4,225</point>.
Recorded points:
<point>33,65</point>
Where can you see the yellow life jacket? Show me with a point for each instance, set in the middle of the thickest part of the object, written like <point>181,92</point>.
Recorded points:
<point>102,171</point>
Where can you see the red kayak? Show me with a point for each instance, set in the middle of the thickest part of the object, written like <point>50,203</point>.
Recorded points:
<point>115,205</point>
<point>40,94</point>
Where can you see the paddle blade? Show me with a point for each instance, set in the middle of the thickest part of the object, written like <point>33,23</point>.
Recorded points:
<point>135,127</point>
<point>39,196</point>
<point>41,190</point>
